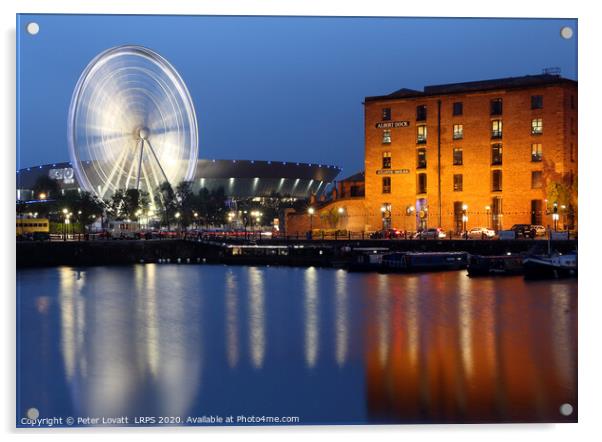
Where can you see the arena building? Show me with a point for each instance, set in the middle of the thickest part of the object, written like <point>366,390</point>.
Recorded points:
<point>238,178</point>
<point>487,153</point>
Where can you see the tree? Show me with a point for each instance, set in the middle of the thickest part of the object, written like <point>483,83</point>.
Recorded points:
<point>186,202</point>
<point>128,203</point>
<point>166,203</point>
<point>46,187</point>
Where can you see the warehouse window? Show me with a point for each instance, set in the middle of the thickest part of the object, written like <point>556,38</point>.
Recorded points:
<point>536,152</point>
<point>496,213</point>
<point>421,113</point>
<point>496,106</point>
<point>537,126</point>
<point>536,179</point>
<point>496,154</point>
<point>457,109</point>
<point>421,134</point>
<point>496,129</point>
<point>386,113</point>
<point>496,180</point>
<point>421,158</point>
<point>536,101</point>
<point>421,188</point>
<point>386,136</point>
<point>536,212</point>
<point>386,160</point>
<point>458,131</point>
<point>458,160</point>
<point>458,183</point>
<point>387,184</point>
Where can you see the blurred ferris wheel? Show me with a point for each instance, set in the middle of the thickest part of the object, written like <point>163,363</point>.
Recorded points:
<point>131,123</point>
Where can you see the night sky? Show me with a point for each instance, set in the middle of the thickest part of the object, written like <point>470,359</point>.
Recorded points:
<point>277,88</point>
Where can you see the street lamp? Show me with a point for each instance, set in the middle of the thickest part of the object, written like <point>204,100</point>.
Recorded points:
<point>464,217</point>
<point>311,212</point>
<point>555,216</point>
<point>65,222</point>
<point>42,196</point>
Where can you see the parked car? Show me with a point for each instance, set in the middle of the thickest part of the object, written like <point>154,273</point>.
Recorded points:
<point>480,233</point>
<point>432,233</point>
<point>386,234</point>
<point>539,230</point>
<point>521,230</point>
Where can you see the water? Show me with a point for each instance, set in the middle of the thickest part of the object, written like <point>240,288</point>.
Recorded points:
<point>322,345</point>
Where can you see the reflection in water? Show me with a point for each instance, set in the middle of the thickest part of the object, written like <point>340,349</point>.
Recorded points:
<point>232,349</point>
<point>311,317</point>
<point>485,351</point>
<point>150,339</point>
<point>383,310</point>
<point>123,341</point>
<point>341,317</point>
<point>256,316</point>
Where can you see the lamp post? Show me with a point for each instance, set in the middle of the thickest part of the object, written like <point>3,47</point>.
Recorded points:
<point>555,216</point>
<point>464,218</point>
<point>311,212</point>
<point>177,216</point>
<point>65,222</point>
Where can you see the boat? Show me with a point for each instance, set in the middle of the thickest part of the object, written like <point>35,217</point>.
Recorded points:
<point>483,265</point>
<point>556,265</point>
<point>424,261</point>
<point>365,262</point>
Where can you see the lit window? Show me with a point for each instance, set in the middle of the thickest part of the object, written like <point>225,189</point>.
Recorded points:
<point>386,160</point>
<point>386,136</point>
<point>537,126</point>
<point>496,129</point>
<point>421,113</point>
<point>421,158</point>
<point>387,184</point>
<point>496,106</point>
<point>421,134</point>
<point>536,152</point>
<point>536,179</point>
<point>457,109</point>
<point>496,154</point>
<point>458,131</point>
<point>386,113</point>
<point>536,101</point>
<point>458,160</point>
<point>458,183</point>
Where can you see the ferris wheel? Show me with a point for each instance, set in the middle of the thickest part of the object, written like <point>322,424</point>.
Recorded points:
<point>131,123</point>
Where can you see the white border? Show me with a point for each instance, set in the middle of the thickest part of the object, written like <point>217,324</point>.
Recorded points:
<point>590,226</point>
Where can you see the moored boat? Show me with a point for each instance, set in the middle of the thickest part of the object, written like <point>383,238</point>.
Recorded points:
<point>556,265</point>
<point>482,265</point>
<point>426,261</point>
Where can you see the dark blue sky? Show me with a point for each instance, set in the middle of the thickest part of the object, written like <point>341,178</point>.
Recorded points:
<point>277,88</point>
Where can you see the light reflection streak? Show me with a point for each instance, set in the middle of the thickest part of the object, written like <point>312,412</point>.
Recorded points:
<point>232,346</point>
<point>342,317</point>
<point>465,318</point>
<point>311,317</point>
<point>561,333</point>
<point>256,317</point>
<point>383,310</point>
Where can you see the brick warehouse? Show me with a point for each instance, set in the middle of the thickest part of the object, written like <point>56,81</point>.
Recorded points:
<point>489,153</point>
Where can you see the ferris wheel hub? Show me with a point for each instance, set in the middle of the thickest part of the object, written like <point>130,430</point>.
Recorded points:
<point>143,133</point>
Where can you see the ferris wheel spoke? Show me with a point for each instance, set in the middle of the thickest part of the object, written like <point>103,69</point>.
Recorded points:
<point>119,164</point>
<point>157,160</point>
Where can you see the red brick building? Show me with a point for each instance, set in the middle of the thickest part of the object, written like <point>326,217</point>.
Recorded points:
<point>493,153</point>
<point>487,153</point>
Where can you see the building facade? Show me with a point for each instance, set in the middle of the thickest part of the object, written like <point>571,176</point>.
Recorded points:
<point>489,153</point>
